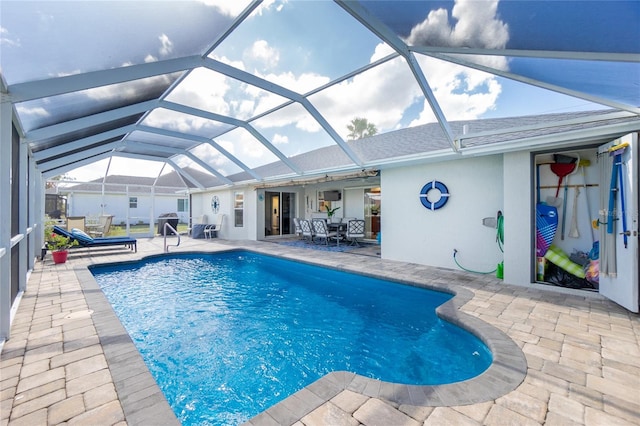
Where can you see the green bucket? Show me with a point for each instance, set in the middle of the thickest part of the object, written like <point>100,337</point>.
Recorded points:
<point>500,270</point>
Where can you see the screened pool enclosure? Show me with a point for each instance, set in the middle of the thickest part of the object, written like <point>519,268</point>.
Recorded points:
<point>226,93</point>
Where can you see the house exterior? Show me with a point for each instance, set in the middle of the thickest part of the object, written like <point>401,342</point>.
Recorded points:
<point>486,177</point>
<point>130,199</point>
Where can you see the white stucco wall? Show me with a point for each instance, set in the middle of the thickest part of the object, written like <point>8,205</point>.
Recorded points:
<point>519,228</point>
<point>480,187</point>
<point>354,202</point>
<point>201,204</point>
<point>91,204</point>
<point>412,233</point>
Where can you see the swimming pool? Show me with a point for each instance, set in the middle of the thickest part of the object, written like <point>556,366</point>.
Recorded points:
<point>228,335</point>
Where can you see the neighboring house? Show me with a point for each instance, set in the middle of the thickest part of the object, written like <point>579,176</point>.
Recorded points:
<point>133,199</point>
<point>488,174</point>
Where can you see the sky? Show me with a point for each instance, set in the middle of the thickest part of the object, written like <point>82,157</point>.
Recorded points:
<point>304,45</point>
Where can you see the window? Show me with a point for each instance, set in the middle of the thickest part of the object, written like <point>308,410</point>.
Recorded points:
<point>133,202</point>
<point>183,205</point>
<point>238,209</point>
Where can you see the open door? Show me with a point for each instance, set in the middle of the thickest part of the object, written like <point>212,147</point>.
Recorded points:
<point>279,211</point>
<point>618,227</point>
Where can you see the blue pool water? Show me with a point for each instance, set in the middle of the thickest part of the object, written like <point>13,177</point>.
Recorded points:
<point>228,335</point>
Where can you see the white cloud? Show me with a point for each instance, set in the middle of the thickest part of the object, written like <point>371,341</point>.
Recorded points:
<point>227,145</point>
<point>169,119</point>
<point>244,108</point>
<point>32,112</point>
<point>293,114</point>
<point>236,64</point>
<point>203,89</point>
<point>262,100</point>
<point>246,148</point>
<point>299,84</point>
<point>219,161</point>
<point>267,4</point>
<point>381,51</point>
<point>381,95</point>
<point>94,170</point>
<point>227,7</point>
<point>462,93</point>
<point>260,53</point>
<point>235,7</point>
<point>210,156</point>
<point>127,91</point>
<point>166,45</point>
<point>6,40</point>
<point>476,25</point>
<point>279,139</point>
<point>134,167</point>
<point>434,30</point>
<point>64,74</point>
<point>384,94</point>
<point>461,105</point>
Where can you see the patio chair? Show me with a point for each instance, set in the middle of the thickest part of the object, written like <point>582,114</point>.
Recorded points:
<point>307,230</point>
<point>321,230</point>
<point>85,240</point>
<point>211,231</point>
<point>103,227</point>
<point>77,222</point>
<point>355,230</point>
<point>298,229</point>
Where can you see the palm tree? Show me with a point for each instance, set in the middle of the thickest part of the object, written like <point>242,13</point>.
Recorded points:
<point>361,128</point>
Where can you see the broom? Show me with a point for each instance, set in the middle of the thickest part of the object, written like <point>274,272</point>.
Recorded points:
<point>574,233</point>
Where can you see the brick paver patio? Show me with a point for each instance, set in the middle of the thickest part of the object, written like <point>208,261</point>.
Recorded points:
<point>69,361</point>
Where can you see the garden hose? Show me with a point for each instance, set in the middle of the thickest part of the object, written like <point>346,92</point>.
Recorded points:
<point>499,241</point>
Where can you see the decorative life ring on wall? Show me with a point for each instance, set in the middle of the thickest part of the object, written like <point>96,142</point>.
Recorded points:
<point>444,195</point>
<point>215,204</point>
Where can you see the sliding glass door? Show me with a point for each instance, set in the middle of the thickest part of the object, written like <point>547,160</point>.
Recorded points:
<point>372,212</point>
<point>279,210</point>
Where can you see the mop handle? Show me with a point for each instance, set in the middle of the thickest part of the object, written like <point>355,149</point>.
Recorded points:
<point>586,197</point>
<point>622,213</point>
<point>612,197</point>
<point>564,208</point>
<point>538,183</point>
<point>559,185</point>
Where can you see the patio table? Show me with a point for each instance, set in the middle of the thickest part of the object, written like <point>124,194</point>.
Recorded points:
<point>338,228</point>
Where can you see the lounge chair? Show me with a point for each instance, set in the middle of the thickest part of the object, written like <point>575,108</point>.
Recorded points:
<point>85,240</point>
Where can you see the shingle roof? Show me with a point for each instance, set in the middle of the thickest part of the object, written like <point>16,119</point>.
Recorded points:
<point>169,183</point>
<point>428,138</point>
